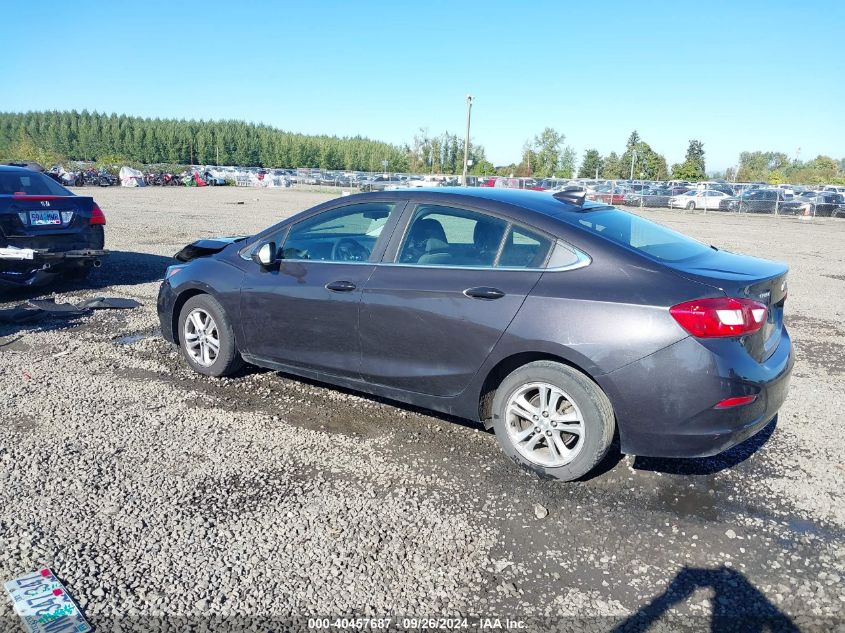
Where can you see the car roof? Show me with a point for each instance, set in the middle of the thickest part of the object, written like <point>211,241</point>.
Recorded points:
<point>532,201</point>
<point>16,168</point>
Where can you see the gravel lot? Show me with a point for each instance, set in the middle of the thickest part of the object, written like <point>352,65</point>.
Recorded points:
<point>158,495</point>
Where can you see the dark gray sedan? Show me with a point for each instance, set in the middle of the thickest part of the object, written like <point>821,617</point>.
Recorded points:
<point>556,322</point>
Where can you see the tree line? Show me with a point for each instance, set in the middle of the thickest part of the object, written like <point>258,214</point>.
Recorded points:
<point>91,136</point>
<point>52,137</point>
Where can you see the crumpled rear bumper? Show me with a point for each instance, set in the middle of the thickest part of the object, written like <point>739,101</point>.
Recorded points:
<point>21,267</point>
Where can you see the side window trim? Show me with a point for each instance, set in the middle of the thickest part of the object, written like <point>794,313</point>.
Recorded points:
<point>393,248</point>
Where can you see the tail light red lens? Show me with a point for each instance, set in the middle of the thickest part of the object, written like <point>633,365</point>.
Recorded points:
<point>736,401</point>
<point>720,317</point>
<point>97,215</point>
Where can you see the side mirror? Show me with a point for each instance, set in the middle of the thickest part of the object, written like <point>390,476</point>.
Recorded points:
<point>265,255</point>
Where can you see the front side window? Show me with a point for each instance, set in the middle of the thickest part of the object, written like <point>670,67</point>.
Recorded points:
<point>348,234</point>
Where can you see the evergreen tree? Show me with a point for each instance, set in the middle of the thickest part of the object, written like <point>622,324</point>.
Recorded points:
<point>591,165</point>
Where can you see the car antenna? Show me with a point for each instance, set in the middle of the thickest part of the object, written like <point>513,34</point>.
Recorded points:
<point>571,197</point>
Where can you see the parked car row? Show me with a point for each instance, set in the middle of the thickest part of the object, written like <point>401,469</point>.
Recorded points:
<point>753,200</point>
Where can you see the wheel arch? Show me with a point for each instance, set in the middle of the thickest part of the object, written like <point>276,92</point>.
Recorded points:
<point>508,365</point>
<point>181,300</point>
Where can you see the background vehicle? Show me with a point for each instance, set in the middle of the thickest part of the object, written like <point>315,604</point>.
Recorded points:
<point>707,199</point>
<point>767,201</point>
<point>655,197</point>
<point>45,230</point>
<point>609,194</point>
<point>379,183</point>
<point>824,203</point>
<point>551,322</point>
<point>212,180</point>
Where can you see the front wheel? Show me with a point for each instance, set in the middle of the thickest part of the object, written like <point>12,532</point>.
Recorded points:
<point>690,206</point>
<point>553,420</point>
<point>206,337</point>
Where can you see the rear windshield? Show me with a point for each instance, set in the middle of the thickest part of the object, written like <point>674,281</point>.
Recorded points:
<point>642,235</point>
<point>31,183</point>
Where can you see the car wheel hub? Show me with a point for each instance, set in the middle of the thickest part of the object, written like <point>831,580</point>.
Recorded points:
<point>544,424</point>
<point>202,340</point>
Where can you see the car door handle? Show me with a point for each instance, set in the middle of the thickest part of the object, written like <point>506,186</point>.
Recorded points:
<point>341,286</point>
<point>484,292</point>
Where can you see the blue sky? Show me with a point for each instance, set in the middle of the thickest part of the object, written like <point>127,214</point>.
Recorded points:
<point>738,76</point>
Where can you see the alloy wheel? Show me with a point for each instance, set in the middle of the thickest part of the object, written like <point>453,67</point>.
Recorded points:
<point>544,424</point>
<point>202,340</point>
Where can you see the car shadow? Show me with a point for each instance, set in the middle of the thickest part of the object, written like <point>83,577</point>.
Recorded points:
<point>708,465</point>
<point>737,605</point>
<point>120,268</point>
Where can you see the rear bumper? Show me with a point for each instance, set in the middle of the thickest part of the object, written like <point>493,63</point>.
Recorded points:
<point>28,267</point>
<point>664,403</point>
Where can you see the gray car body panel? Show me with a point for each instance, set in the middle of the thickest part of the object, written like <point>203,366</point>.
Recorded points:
<point>408,333</point>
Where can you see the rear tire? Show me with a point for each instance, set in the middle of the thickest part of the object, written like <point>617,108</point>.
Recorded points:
<point>690,206</point>
<point>206,337</point>
<point>575,435</point>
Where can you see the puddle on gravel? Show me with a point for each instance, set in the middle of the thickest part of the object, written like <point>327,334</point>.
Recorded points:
<point>13,344</point>
<point>20,423</point>
<point>130,338</point>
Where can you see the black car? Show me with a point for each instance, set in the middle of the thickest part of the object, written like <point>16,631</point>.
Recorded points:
<point>45,230</point>
<point>765,201</point>
<point>556,322</point>
<point>658,197</point>
<point>825,203</point>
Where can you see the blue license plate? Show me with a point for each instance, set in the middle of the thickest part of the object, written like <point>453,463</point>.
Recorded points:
<point>40,218</point>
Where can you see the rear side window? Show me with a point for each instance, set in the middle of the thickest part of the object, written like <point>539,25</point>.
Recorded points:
<point>642,235</point>
<point>31,183</point>
<point>524,249</point>
<point>448,236</point>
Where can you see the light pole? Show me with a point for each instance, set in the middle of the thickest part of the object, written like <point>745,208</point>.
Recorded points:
<point>466,140</point>
<point>633,157</point>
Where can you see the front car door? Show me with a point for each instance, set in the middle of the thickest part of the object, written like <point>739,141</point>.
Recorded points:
<point>432,312</point>
<point>304,311</point>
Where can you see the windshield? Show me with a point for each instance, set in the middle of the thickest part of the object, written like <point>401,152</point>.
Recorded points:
<point>31,183</point>
<point>644,236</point>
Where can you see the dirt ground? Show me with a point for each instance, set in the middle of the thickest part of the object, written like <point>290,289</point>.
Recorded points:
<point>157,494</point>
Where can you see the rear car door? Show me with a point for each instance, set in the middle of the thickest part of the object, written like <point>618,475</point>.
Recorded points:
<point>304,312</point>
<point>432,314</point>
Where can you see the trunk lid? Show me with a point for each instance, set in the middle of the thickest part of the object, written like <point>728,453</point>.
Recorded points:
<point>44,221</point>
<point>743,276</point>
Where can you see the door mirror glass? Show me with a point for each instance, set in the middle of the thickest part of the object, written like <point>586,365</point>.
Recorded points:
<point>265,255</point>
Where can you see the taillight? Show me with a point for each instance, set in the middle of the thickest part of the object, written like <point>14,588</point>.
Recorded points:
<point>97,215</point>
<point>720,317</point>
<point>736,401</point>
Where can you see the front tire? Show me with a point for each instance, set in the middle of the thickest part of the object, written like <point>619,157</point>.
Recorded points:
<point>690,206</point>
<point>553,420</point>
<point>206,337</point>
